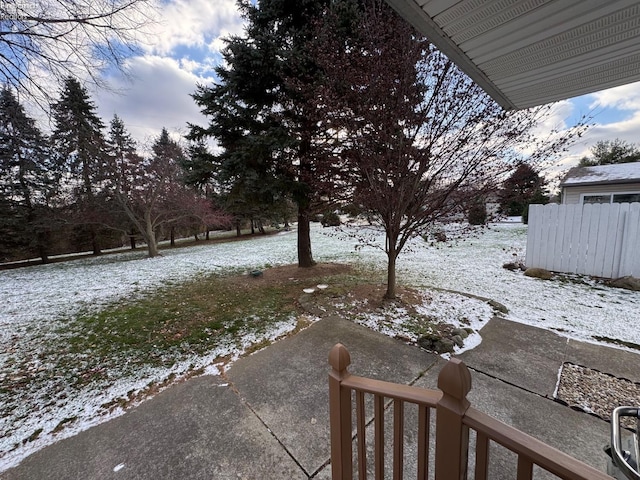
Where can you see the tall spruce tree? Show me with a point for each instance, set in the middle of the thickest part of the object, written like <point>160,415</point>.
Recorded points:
<point>259,115</point>
<point>122,163</point>
<point>79,149</point>
<point>26,180</point>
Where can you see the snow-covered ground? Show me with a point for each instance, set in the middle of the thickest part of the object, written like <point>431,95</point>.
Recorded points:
<point>34,300</point>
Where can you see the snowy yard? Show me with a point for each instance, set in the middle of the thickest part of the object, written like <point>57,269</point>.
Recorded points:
<point>35,301</point>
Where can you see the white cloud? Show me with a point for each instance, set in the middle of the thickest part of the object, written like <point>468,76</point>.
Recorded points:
<point>193,24</point>
<point>619,107</point>
<point>627,129</point>
<point>157,96</point>
<point>625,97</point>
<point>556,119</point>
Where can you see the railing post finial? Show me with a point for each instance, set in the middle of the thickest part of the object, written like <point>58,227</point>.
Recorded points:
<point>455,382</point>
<point>340,414</point>
<point>339,359</point>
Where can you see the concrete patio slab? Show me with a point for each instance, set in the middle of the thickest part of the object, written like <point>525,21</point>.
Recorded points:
<point>619,363</point>
<point>194,430</point>
<point>269,417</point>
<point>519,354</point>
<point>286,384</point>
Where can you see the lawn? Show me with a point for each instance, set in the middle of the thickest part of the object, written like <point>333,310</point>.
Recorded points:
<point>82,340</point>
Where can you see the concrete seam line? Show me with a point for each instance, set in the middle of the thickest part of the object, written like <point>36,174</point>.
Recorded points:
<point>248,405</point>
<point>508,383</point>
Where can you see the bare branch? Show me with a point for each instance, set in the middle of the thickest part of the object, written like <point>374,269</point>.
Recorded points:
<point>44,41</point>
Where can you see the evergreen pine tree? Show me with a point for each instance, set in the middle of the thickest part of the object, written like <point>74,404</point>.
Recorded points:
<point>26,180</point>
<point>122,164</point>
<point>259,113</point>
<point>79,148</point>
<point>523,187</point>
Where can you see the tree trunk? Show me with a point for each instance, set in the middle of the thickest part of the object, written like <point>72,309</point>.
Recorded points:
<point>392,254</point>
<point>207,235</point>
<point>253,230</point>
<point>391,278</point>
<point>238,232</point>
<point>42,247</point>
<point>150,237</point>
<point>173,236</point>
<point>41,234</point>
<point>95,241</point>
<point>305,258</point>
<point>261,227</point>
<point>132,239</point>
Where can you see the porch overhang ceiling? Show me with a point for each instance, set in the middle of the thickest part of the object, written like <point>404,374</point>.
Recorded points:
<point>530,52</point>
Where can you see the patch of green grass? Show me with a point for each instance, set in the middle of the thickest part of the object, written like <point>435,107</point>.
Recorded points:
<point>175,323</point>
<point>185,319</point>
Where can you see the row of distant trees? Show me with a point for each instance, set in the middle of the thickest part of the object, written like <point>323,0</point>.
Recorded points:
<point>89,183</point>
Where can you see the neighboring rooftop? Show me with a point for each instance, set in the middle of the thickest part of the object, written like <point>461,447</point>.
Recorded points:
<point>602,174</point>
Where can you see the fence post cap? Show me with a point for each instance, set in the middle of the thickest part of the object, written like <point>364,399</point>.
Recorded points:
<point>339,357</point>
<point>454,379</point>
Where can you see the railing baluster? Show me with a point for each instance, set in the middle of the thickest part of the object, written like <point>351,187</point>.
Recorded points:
<point>525,468</point>
<point>378,405</point>
<point>482,456</point>
<point>424,417</point>
<point>398,438</point>
<point>362,441</point>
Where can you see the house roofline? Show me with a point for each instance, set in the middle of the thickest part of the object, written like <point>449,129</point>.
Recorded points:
<point>601,182</point>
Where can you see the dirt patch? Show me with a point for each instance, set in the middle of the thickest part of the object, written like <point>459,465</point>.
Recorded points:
<point>292,274</point>
<point>370,297</point>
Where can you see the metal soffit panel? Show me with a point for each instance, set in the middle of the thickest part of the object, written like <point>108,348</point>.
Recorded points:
<point>532,52</point>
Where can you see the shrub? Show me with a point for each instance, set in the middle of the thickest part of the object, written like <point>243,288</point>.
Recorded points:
<point>477,214</point>
<point>331,219</point>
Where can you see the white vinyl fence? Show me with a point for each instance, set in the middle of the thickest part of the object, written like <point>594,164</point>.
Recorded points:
<point>602,240</point>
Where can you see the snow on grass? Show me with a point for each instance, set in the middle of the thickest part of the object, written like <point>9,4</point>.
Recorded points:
<point>36,301</point>
<point>437,308</point>
<point>461,311</point>
<point>572,305</point>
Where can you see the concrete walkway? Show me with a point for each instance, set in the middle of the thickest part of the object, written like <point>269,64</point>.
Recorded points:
<point>268,419</point>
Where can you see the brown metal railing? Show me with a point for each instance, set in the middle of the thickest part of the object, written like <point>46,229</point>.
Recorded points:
<point>454,418</point>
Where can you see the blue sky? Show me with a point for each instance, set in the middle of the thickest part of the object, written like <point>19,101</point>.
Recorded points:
<point>183,47</point>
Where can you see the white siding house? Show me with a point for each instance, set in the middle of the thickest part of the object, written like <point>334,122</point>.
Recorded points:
<point>618,183</point>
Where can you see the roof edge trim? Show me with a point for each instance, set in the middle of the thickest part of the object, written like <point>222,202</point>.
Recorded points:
<point>418,18</point>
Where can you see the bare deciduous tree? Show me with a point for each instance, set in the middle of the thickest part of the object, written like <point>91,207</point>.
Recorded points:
<point>419,141</point>
<point>150,191</point>
<point>45,40</point>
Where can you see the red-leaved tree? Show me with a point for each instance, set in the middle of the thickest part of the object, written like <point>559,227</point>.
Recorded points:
<point>150,191</point>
